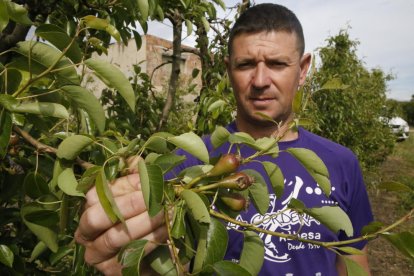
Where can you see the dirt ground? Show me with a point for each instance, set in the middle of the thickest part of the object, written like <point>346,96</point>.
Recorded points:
<point>383,258</point>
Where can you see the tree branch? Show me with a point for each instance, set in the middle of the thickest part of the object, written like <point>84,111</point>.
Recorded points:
<point>40,147</point>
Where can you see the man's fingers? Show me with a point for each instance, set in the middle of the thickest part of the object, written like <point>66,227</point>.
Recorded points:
<point>113,267</point>
<point>119,187</point>
<point>110,267</point>
<point>94,220</point>
<point>108,244</point>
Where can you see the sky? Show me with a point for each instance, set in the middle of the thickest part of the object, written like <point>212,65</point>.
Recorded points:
<point>384,29</point>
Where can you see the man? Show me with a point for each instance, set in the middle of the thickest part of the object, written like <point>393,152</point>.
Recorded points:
<point>266,65</point>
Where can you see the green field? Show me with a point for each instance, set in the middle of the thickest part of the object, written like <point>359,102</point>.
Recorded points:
<point>389,206</point>
<point>399,167</point>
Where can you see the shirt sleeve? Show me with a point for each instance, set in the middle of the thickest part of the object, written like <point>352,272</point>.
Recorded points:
<point>359,208</point>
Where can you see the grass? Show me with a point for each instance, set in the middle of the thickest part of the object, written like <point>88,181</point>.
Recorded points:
<point>388,207</point>
<point>399,167</point>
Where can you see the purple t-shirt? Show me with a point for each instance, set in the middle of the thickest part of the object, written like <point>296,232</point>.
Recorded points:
<point>287,257</point>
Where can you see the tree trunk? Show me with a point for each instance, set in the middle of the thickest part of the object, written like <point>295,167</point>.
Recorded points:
<point>203,43</point>
<point>176,21</point>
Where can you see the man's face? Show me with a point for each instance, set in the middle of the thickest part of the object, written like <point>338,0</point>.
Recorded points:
<point>265,70</point>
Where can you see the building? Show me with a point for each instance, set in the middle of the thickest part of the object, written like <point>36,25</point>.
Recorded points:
<point>153,58</point>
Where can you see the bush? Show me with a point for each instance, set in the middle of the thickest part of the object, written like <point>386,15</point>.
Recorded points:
<point>349,100</point>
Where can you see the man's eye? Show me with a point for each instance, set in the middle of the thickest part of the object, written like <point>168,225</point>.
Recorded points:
<point>244,65</point>
<point>276,64</point>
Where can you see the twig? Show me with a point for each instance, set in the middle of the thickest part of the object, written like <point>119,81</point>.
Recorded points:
<point>40,147</point>
<point>405,218</point>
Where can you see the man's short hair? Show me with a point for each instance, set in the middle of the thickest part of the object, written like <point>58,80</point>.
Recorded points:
<point>267,18</point>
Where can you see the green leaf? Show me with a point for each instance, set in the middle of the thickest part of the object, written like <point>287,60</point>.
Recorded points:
<point>11,83</point>
<point>88,179</point>
<point>47,55</point>
<point>4,15</point>
<point>332,217</point>
<point>72,146</point>
<point>160,13</point>
<point>8,101</point>
<point>6,125</point>
<point>372,227</point>
<point>6,255</point>
<point>188,174</point>
<point>161,262</point>
<point>195,73</point>
<point>219,136</point>
<point>216,105</point>
<point>314,165</point>
<point>297,205</point>
<point>276,177</point>
<point>353,268</point>
<point>138,39</point>
<point>21,63</point>
<point>68,184</point>
<point>43,233</point>
<point>393,186</point>
<point>105,197</point>
<point>228,268</point>
<point>241,138</point>
<point>258,192</point>
<point>143,9</point>
<point>130,257</point>
<point>201,250</point>
<point>217,239</point>
<point>18,13</point>
<point>252,255</point>
<point>87,100</point>
<point>41,108</point>
<point>110,29</point>
<point>185,247</point>
<point>221,4</point>
<point>158,142</point>
<point>297,101</point>
<point>189,27</point>
<point>113,78</point>
<point>350,250</point>
<point>196,206</point>
<point>58,167</point>
<point>403,241</point>
<point>37,250</point>
<point>168,161</point>
<point>35,185</point>
<point>334,84</point>
<point>152,186</point>
<point>63,251</point>
<point>205,24</point>
<point>265,117</point>
<point>59,38</point>
<point>191,143</point>
<point>178,226</point>
<point>267,144</point>
<point>96,23</point>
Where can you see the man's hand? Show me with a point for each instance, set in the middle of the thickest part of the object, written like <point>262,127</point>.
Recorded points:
<point>103,239</point>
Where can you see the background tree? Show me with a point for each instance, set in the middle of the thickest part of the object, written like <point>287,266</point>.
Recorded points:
<point>408,110</point>
<point>350,100</point>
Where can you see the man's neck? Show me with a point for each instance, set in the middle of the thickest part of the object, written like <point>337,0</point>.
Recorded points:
<point>282,131</point>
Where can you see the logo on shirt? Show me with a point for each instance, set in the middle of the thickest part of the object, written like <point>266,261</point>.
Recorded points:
<point>287,221</point>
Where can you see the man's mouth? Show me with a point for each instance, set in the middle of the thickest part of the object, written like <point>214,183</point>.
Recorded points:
<point>264,101</point>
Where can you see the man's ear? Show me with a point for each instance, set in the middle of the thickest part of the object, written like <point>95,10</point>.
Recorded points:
<point>304,67</point>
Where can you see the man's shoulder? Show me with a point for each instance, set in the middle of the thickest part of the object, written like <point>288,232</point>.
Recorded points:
<point>323,146</point>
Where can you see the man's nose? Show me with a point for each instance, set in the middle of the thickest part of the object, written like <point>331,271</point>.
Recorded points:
<point>261,76</point>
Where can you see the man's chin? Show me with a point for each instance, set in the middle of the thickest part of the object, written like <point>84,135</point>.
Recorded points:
<point>263,120</point>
